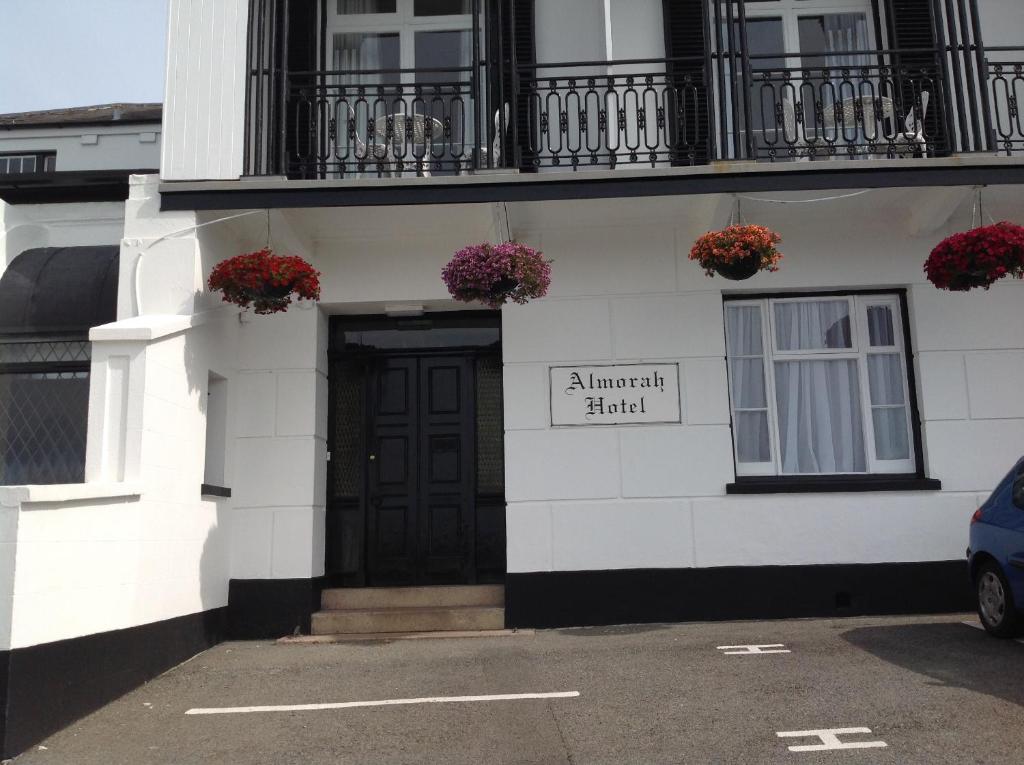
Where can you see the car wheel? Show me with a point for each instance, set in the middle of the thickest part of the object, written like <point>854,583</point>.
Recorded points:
<point>995,602</point>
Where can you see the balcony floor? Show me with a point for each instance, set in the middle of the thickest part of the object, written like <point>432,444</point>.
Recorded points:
<point>509,186</point>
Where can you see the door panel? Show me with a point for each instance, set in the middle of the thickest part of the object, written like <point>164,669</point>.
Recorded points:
<point>446,470</point>
<point>421,471</point>
<point>391,553</point>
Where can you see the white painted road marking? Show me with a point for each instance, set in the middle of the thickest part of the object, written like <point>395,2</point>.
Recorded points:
<point>977,626</point>
<point>382,703</point>
<point>830,739</point>
<point>753,650</point>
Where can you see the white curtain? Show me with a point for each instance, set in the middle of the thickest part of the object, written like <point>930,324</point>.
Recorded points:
<point>845,32</point>
<point>880,328</point>
<point>812,325</point>
<point>746,375</point>
<point>888,409</point>
<point>356,52</point>
<point>820,427</point>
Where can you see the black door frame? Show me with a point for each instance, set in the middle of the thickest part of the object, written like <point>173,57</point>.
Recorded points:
<point>348,517</point>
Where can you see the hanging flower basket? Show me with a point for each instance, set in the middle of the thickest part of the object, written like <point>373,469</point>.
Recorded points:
<point>977,258</point>
<point>494,274</point>
<point>737,252</point>
<point>265,281</point>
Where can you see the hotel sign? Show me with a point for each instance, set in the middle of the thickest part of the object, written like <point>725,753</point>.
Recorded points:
<point>615,394</point>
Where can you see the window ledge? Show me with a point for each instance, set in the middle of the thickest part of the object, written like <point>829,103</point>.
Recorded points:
<point>12,496</point>
<point>209,490</point>
<point>806,484</point>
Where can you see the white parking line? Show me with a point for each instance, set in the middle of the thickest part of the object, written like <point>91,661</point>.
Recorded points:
<point>977,626</point>
<point>830,739</point>
<point>753,650</point>
<point>381,703</point>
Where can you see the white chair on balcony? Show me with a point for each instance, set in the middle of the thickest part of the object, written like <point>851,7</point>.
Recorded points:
<point>494,150</point>
<point>910,140</point>
<point>407,130</point>
<point>913,129</point>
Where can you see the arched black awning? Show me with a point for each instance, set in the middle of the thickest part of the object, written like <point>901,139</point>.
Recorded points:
<point>59,289</point>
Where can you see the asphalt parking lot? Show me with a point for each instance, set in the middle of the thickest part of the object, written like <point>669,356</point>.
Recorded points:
<point>926,689</point>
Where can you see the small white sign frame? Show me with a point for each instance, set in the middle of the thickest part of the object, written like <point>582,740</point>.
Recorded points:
<point>615,394</point>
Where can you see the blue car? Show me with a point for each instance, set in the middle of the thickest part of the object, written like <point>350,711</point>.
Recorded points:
<point>996,556</point>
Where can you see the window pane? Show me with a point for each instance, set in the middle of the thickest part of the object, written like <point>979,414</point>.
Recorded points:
<point>885,379</point>
<point>442,50</point>
<point>442,7</point>
<point>891,434</point>
<point>353,52</point>
<point>834,34</point>
<point>747,378</point>
<point>813,325</point>
<point>752,437</point>
<point>820,426</point>
<point>743,327</point>
<point>346,7</point>
<point>42,427</point>
<point>880,329</point>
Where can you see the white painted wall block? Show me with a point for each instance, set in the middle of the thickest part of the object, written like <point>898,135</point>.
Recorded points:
<point>605,535</point>
<point>676,461</point>
<point>571,463</point>
<point>674,326</point>
<point>528,534</point>
<point>813,529</point>
<point>995,382</point>
<point>583,334</point>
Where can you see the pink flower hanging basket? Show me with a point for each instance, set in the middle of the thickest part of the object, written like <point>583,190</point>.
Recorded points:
<point>494,274</point>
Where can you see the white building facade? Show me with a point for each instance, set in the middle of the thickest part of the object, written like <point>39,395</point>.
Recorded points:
<point>645,443</point>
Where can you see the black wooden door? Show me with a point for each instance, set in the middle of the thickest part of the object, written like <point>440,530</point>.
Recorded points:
<point>421,470</point>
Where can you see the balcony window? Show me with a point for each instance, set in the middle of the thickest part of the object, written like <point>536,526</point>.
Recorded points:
<point>400,84</point>
<point>818,386</point>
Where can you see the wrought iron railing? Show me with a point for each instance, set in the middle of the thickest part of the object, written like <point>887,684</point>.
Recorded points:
<point>724,105</point>
<point>854,110</point>
<point>643,112</point>
<point>384,123</point>
<point>1005,81</point>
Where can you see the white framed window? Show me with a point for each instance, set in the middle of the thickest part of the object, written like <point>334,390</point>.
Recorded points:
<point>369,35</point>
<point>405,68</point>
<point>818,385</point>
<point>17,164</point>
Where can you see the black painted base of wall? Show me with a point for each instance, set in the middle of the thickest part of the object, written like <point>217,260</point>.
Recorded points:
<point>632,596</point>
<point>47,687</point>
<point>266,609</point>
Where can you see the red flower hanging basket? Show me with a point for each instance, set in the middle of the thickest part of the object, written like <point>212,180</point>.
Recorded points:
<point>977,258</point>
<point>493,274</point>
<point>265,281</point>
<point>737,252</point>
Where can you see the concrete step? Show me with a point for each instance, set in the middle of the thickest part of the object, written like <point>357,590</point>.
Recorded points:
<point>413,597</point>
<point>364,620</point>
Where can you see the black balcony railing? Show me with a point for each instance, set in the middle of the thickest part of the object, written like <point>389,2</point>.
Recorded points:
<point>1006,96</point>
<point>606,114</point>
<point>383,122</point>
<point>724,105</point>
<point>844,110</point>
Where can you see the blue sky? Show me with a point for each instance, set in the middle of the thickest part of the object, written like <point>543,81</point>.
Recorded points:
<point>58,53</point>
